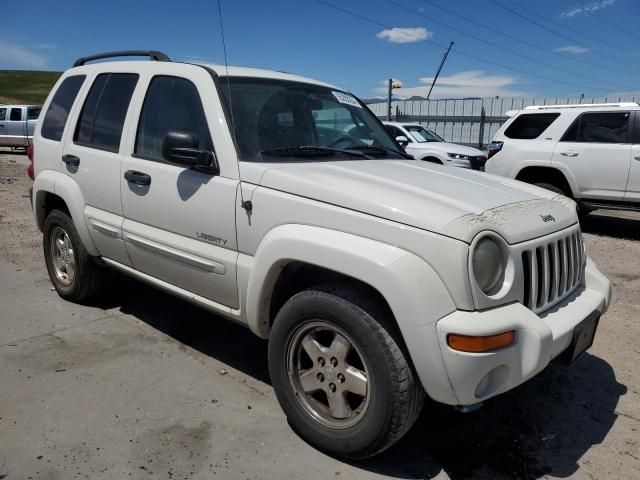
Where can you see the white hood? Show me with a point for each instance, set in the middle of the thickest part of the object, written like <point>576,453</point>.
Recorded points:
<point>419,194</point>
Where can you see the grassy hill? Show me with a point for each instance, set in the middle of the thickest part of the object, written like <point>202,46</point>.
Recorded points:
<point>22,86</point>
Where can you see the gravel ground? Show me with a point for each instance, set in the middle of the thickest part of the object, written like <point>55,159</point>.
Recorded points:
<point>580,422</point>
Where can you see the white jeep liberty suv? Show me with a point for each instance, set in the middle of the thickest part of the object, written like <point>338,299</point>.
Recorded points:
<point>376,278</point>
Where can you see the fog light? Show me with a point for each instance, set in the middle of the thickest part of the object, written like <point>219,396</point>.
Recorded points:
<point>475,344</point>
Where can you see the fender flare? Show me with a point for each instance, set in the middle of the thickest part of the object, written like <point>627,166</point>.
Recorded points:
<point>415,293</point>
<point>566,173</point>
<point>50,181</point>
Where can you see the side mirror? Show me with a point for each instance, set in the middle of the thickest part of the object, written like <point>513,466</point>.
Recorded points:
<point>402,140</point>
<point>182,148</point>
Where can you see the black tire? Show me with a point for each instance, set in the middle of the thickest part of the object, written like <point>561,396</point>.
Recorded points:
<point>552,187</point>
<point>87,273</point>
<point>435,160</point>
<point>395,395</point>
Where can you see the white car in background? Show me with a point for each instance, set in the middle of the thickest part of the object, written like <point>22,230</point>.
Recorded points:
<point>424,144</point>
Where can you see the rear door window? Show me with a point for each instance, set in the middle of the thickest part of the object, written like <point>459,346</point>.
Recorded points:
<point>58,111</point>
<point>600,127</point>
<point>3,114</point>
<point>16,115</point>
<point>105,108</point>
<point>530,125</point>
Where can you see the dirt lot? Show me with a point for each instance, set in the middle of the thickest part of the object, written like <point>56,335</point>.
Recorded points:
<point>580,422</point>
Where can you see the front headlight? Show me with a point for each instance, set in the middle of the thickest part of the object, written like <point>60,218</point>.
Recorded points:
<point>458,156</point>
<point>488,263</point>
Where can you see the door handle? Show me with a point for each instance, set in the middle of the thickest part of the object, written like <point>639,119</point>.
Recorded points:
<point>138,178</point>
<point>71,160</point>
<point>569,154</point>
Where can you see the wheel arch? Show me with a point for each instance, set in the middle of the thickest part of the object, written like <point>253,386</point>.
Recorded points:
<point>546,174</point>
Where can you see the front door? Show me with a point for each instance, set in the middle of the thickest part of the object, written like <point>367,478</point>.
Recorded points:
<point>15,127</point>
<point>180,223</point>
<point>597,151</point>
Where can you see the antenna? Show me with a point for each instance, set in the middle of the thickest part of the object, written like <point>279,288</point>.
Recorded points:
<point>246,204</point>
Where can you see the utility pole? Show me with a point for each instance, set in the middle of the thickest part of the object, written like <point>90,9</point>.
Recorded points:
<point>392,84</point>
<point>444,58</point>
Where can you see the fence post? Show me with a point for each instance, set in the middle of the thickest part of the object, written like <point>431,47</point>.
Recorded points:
<point>481,135</point>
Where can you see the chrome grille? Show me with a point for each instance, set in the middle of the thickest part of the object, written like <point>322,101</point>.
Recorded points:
<point>552,270</point>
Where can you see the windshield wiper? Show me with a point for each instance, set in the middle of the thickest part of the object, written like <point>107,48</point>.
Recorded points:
<point>311,151</point>
<point>379,149</point>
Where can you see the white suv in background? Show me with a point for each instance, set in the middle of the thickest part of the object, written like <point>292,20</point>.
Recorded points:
<point>423,144</point>
<point>588,152</point>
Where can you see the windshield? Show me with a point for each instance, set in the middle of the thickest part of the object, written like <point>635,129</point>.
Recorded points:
<point>279,120</point>
<point>422,135</point>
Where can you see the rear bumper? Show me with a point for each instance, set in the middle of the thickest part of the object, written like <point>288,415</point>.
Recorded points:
<point>475,377</point>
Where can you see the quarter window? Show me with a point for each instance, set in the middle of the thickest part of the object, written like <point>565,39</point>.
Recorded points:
<point>16,115</point>
<point>530,125</point>
<point>58,111</point>
<point>102,117</point>
<point>33,113</point>
<point>605,127</point>
<point>172,104</point>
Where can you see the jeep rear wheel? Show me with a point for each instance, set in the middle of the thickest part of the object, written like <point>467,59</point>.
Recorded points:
<point>340,374</point>
<point>73,272</point>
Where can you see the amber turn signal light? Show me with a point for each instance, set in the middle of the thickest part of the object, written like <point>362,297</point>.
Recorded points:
<point>465,343</point>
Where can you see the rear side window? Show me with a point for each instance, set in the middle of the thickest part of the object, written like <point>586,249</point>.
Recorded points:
<point>58,111</point>
<point>606,127</point>
<point>172,104</point>
<point>102,117</point>
<point>33,113</point>
<point>3,114</point>
<point>16,114</point>
<point>530,125</point>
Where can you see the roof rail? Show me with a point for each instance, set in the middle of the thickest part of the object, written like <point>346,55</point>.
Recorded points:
<point>152,54</point>
<point>580,105</point>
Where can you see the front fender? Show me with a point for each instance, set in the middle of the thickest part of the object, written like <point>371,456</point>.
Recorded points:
<point>416,295</point>
<point>50,181</point>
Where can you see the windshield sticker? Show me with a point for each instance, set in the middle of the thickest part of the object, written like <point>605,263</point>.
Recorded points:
<point>346,99</point>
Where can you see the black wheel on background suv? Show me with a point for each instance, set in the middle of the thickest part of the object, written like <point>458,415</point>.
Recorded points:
<point>553,188</point>
<point>340,372</point>
<point>73,272</point>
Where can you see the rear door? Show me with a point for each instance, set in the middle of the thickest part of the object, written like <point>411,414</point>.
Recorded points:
<point>633,185</point>
<point>179,222</point>
<point>92,157</point>
<point>32,118</point>
<point>15,126</point>
<point>4,112</point>
<point>596,149</point>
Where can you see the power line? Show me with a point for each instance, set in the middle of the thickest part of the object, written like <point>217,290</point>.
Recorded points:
<point>458,51</point>
<point>504,49</point>
<point>525,42</point>
<point>540,25</point>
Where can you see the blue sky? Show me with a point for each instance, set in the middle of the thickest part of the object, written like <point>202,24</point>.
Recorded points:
<point>577,46</point>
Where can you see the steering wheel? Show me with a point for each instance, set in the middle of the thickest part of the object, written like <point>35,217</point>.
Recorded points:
<point>342,139</point>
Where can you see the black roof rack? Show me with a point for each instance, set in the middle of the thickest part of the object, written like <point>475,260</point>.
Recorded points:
<point>152,54</point>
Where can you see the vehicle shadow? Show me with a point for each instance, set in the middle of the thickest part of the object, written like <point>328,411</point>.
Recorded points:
<point>541,428</point>
<point>609,223</point>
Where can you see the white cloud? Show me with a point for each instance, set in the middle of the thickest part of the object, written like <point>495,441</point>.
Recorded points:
<point>471,83</point>
<point>587,8</point>
<point>405,35</point>
<point>13,55</point>
<point>572,49</point>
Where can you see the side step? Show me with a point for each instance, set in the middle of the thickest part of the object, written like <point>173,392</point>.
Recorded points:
<point>629,207</point>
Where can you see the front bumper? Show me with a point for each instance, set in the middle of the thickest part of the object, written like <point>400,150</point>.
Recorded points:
<point>475,377</point>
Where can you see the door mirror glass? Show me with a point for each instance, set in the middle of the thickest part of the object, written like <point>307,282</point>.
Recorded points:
<point>402,140</point>
<point>183,149</point>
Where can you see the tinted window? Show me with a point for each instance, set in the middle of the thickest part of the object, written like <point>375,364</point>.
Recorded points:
<point>102,117</point>
<point>33,113</point>
<point>172,104</point>
<point>3,114</point>
<point>599,128</point>
<point>58,111</point>
<point>530,125</point>
<point>16,114</point>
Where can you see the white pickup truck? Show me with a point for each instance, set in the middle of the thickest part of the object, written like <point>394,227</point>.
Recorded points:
<point>17,123</point>
<point>282,203</point>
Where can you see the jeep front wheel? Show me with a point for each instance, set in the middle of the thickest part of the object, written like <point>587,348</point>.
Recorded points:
<point>340,373</point>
